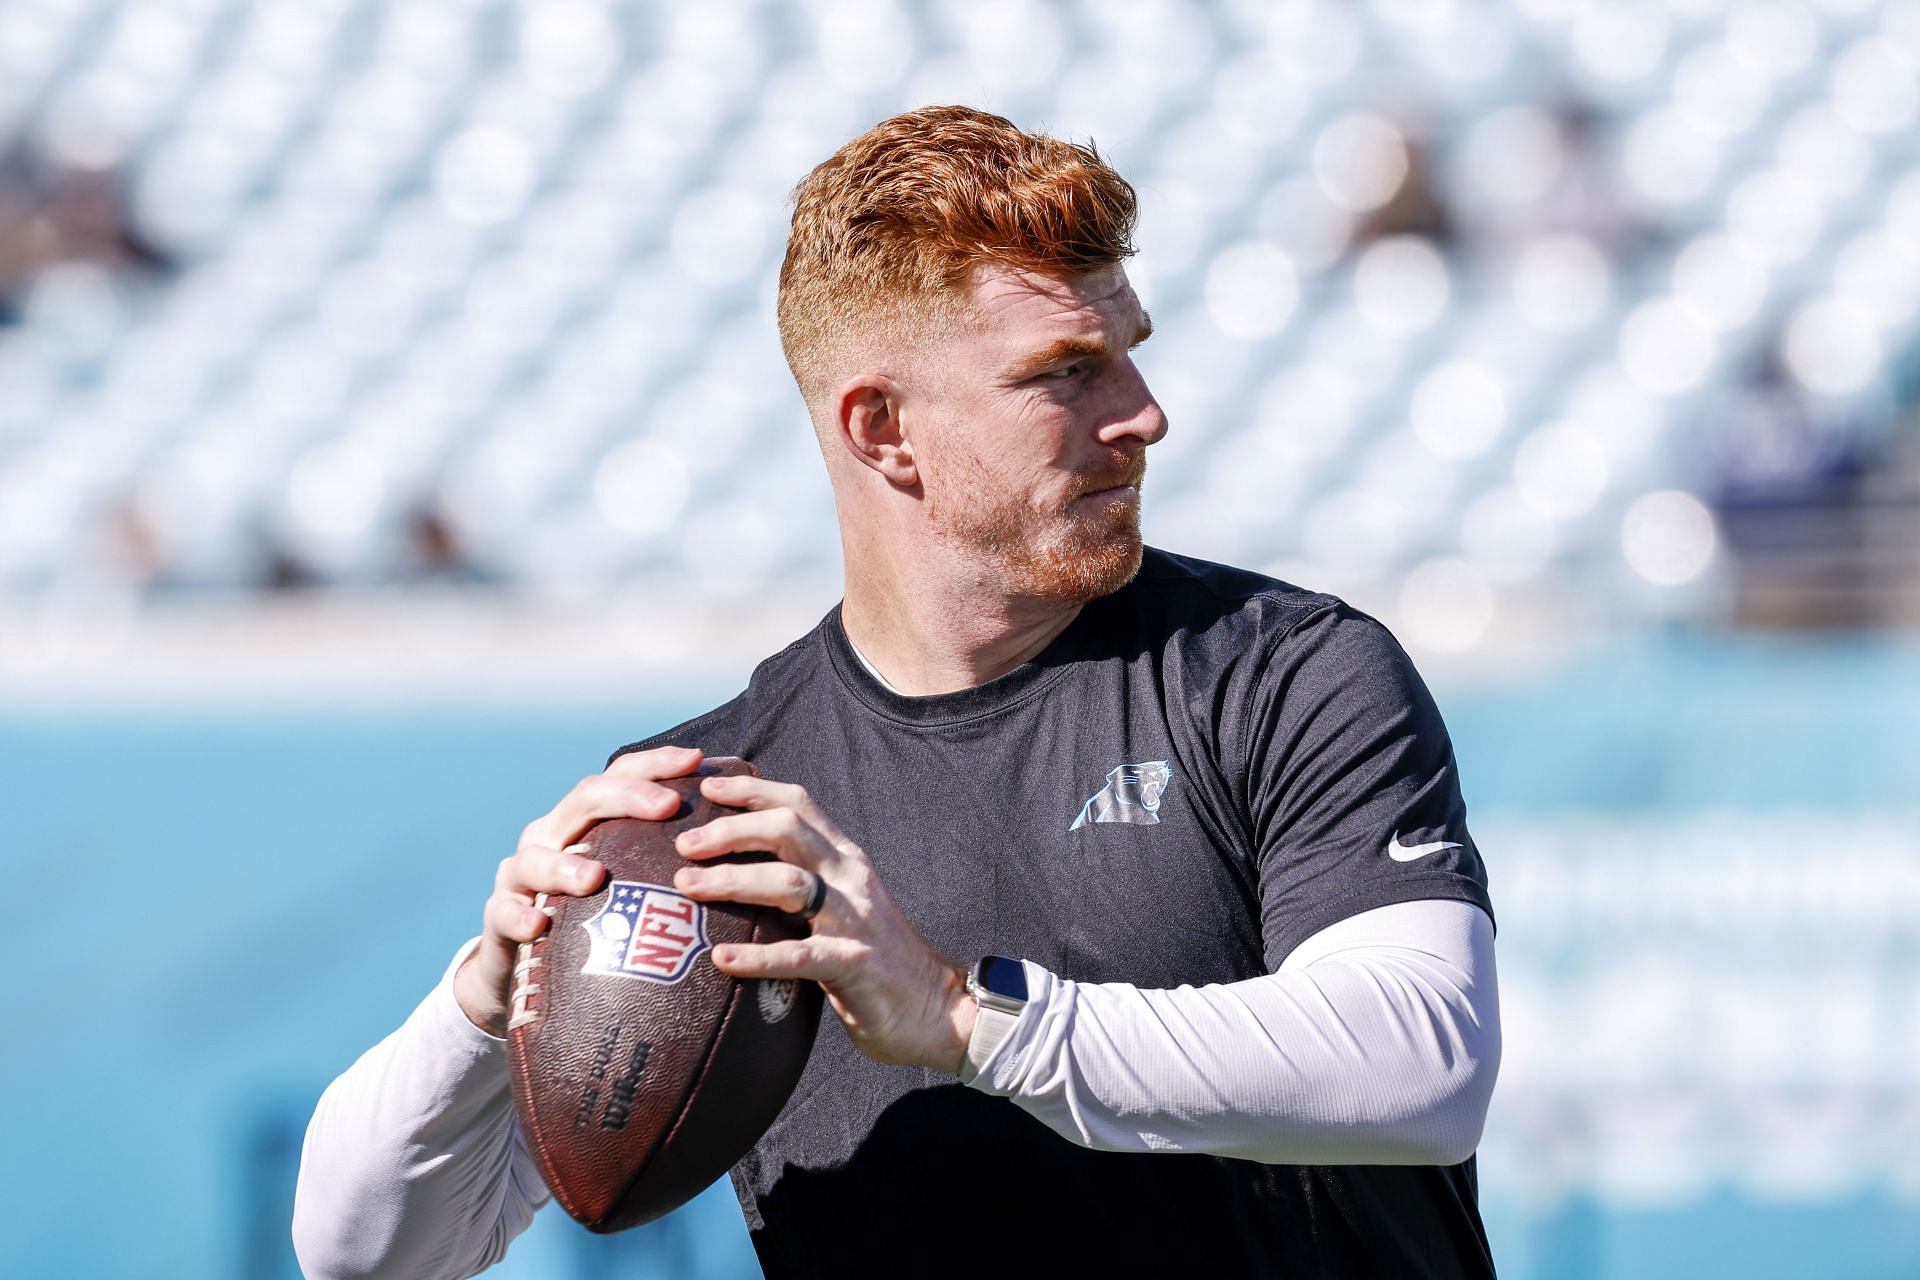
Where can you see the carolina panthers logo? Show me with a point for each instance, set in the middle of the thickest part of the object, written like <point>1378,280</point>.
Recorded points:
<point>1132,794</point>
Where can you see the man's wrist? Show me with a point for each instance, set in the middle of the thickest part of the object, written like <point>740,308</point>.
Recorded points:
<point>959,1013</point>
<point>477,1000</point>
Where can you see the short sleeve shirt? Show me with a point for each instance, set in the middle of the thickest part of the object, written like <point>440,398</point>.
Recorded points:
<point>1205,768</point>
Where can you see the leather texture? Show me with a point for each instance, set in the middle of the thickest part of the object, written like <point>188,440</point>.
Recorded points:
<point>636,1092</point>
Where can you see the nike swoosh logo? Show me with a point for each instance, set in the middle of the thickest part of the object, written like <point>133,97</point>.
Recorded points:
<point>1407,853</point>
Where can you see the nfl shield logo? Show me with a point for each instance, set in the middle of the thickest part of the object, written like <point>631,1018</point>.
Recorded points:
<point>647,932</point>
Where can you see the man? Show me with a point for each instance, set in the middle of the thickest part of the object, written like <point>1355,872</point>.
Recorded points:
<point>1252,1028</point>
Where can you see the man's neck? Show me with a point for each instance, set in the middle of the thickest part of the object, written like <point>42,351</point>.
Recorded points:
<point>924,638</point>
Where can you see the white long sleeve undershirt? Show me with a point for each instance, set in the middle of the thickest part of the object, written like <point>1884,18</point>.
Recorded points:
<point>1376,1042</point>
<point>414,1164</point>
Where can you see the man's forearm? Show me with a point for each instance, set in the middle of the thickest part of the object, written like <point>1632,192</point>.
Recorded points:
<point>1377,1042</point>
<point>413,1164</point>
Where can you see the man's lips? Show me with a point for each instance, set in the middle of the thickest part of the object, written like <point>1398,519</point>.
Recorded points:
<point>1114,487</point>
<point>1111,483</point>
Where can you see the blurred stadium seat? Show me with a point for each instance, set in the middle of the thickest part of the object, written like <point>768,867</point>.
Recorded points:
<point>1471,288</point>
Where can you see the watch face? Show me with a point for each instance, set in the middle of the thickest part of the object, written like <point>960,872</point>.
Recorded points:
<point>1004,977</point>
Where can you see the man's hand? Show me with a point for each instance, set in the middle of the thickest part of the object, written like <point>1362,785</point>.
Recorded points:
<point>547,861</point>
<point>900,1000</point>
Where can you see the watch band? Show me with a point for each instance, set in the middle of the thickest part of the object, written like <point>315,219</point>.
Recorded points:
<point>990,1028</point>
<point>998,1013</point>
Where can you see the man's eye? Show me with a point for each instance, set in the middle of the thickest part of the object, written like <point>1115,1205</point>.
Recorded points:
<point>1066,372</point>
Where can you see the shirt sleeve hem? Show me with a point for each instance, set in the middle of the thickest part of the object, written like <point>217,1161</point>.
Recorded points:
<point>1451,885</point>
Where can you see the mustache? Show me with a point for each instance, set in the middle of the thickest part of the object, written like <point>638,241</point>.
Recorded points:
<point>1122,470</point>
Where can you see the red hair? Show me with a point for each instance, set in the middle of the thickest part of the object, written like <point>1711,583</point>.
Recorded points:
<point>894,223</point>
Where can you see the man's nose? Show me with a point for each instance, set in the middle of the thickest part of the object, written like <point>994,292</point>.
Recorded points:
<point>1137,418</point>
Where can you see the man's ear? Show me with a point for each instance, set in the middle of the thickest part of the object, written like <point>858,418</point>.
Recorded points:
<point>868,409</point>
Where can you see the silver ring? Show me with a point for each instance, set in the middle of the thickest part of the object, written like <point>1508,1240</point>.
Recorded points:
<point>818,900</point>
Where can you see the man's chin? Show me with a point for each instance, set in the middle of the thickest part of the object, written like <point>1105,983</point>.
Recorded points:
<point>1079,574</point>
<point>1082,554</point>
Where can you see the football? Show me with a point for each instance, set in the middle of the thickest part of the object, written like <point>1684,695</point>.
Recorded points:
<point>640,1072</point>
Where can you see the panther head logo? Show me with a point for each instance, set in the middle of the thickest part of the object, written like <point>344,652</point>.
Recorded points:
<point>1132,794</point>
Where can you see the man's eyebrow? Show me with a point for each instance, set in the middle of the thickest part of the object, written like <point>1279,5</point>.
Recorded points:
<point>1072,349</point>
<point>1053,353</point>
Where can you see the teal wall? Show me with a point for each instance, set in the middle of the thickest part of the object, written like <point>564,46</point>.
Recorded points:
<point>217,912</point>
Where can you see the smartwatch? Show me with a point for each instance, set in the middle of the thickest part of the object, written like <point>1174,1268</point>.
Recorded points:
<point>999,987</point>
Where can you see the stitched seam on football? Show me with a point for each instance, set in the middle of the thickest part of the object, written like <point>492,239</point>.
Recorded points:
<point>522,1063</point>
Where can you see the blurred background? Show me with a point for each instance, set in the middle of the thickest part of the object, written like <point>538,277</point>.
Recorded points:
<point>382,383</point>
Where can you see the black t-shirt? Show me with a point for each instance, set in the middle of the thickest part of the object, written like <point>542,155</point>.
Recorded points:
<point>1202,770</point>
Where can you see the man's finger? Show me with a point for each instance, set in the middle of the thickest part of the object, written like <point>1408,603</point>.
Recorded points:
<point>536,870</point>
<point>744,791</point>
<point>511,918</point>
<point>596,798</point>
<point>822,959</point>
<point>783,832</point>
<point>657,762</point>
<point>780,885</point>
